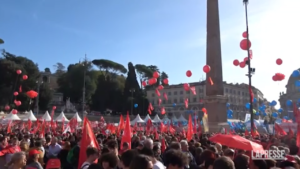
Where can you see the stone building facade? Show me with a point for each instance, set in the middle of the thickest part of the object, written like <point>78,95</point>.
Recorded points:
<point>238,96</point>
<point>292,93</point>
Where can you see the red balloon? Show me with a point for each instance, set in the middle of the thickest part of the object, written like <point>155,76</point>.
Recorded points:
<point>245,34</point>
<point>54,107</point>
<point>242,64</point>
<point>274,78</point>
<point>279,77</point>
<point>244,44</point>
<point>160,87</point>
<point>188,73</point>
<point>245,59</point>
<point>236,62</point>
<point>25,77</point>
<point>152,81</point>
<point>186,85</point>
<point>155,74</point>
<point>204,110</point>
<point>206,68</point>
<point>16,93</point>
<point>18,103</point>
<point>19,71</point>
<point>166,81</point>
<point>144,83</point>
<point>14,111</point>
<point>6,107</point>
<point>278,61</point>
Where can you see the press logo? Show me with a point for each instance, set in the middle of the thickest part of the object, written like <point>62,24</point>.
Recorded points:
<point>268,154</point>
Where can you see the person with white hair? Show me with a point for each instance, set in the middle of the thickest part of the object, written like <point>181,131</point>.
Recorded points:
<point>185,149</point>
<point>148,143</point>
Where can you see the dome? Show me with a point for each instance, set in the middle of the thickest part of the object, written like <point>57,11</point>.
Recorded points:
<point>290,87</point>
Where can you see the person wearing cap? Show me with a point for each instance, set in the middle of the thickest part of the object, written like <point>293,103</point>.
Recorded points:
<point>33,159</point>
<point>53,164</point>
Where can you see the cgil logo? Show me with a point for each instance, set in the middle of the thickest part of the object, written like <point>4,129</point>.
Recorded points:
<point>268,154</point>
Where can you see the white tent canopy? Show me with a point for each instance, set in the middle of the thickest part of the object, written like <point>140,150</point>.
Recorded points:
<point>147,118</point>
<point>29,116</point>
<point>174,119</point>
<point>156,119</point>
<point>61,117</point>
<point>77,117</point>
<point>165,119</point>
<point>182,119</point>
<point>46,116</point>
<point>11,116</point>
<point>137,119</point>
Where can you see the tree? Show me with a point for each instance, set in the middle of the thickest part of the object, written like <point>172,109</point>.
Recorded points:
<point>144,72</point>
<point>59,68</point>
<point>71,82</point>
<point>1,41</point>
<point>162,77</point>
<point>11,82</point>
<point>47,70</point>
<point>109,66</point>
<point>45,96</point>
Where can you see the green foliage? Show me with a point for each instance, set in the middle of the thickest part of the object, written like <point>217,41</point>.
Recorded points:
<point>11,82</point>
<point>1,41</point>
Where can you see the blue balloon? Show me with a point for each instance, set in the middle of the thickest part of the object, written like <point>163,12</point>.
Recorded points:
<point>257,113</point>
<point>247,105</point>
<point>289,102</point>
<point>296,73</point>
<point>227,104</point>
<point>274,103</point>
<point>280,110</point>
<point>297,83</point>
<point>254,100</point>
<point>136,105</point>
<point>298,100</point>
<point>229,111</point>
<point>174,104</point>
<point>274,114</point>
<point>286,117</point>
<point>264,113</point>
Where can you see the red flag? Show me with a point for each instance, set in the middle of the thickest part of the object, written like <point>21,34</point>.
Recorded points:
<point>159,102</point>
<point>121,123</point>
<point>9,127</point>
<point>163,145</point>
<point>210,81</point>
<point>157,92</point>
<point>127,133</point>
<point>246,133</point>
<point>193,89</point>
<point>150,108</point>
<point>166,96</point>
<point>29,124</point>
<point>279,130</point>
<point>163,111</point>
<point>186,103</point>
<point>189,134</point>
<point>88,140</point>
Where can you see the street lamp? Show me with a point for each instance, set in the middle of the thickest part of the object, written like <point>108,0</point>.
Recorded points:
<point>132,91</point>
<point>83,90</point>
<point>39,82</point>
<point>250,70</point>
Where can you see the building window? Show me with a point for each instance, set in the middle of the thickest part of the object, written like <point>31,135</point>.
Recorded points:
<point>187,92</point>
<point>169,93</point>
<point>230,91</point>
<point>164,101</point>
<point>153,101</point>
<point>153,95</point>
<point>194,99</point>
<point>200,90</point>
<point>169,101</point>
<point>226,90</point>
<point>175,93</point>
<point>239,93</point>
<point>175,100</point>
<point>233,91</point>
<point>181,92</point>
<point>181,100</point>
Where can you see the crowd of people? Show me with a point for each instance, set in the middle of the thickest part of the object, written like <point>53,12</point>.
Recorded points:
<point>24,150</point>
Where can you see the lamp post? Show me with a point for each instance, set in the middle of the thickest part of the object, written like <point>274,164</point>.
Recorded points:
<point>39,82</point>
<point>131,91</point>
<point>250,70</point>
<point>83,90</point>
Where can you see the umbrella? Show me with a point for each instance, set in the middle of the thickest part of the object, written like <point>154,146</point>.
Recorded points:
<point>235,141</point>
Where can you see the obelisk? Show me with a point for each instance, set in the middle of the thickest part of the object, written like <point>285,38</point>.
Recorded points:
<point>215,101</point>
